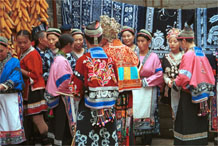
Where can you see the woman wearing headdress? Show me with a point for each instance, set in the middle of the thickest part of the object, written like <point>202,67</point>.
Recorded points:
<point>61,126</point>
<point>170,64</point>
<point>53,35</point>
<point>78,37</point>
<point>146,122</point>
<point>11,101</point>
<point>197,82</point>
<point>78,49</point>
<point>128,37</point>
<point>128,78</point>
<point>95,83</point>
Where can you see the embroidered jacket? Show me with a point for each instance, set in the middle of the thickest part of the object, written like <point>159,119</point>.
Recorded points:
<point>126,62</point>
<point>95,78</point>
<point>31,62</point>
<point>196,75</point>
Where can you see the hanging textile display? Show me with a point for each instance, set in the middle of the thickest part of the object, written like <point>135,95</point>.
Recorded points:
<point>84,12</point>
<point>66,11</point>
<point>79,13</point>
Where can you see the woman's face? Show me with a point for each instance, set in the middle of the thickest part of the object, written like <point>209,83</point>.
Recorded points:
<point>174,44</point>
<point>128,38</point>
<point>78,41</point>
<point>52,40</point>
<point>143,43</point>
<point>44,41</point>
<point>23,42</point>
<point>3,52</point>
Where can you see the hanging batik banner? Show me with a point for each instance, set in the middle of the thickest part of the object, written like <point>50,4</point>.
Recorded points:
<point>158,21</point>
<point>207,28</point>
<point>84,12</point>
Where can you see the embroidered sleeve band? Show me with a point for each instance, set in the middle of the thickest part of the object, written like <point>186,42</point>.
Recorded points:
<point>158,69</point>
<point>9,84</point>
<point>62,79</point>
<point>78,75</point>
<point>144,82</point>
<point>186,73</point>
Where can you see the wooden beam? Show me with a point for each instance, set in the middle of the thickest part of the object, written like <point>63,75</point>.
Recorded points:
<point>55,24</point>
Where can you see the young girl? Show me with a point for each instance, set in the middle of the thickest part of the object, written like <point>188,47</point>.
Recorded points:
<point>34,102</point>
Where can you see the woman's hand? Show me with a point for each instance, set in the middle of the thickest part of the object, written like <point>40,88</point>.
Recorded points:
<point>170,83</point>
<point>2,87</point>
<point>25,73</point>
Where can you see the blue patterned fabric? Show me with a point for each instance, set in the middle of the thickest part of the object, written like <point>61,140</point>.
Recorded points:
<point>48,58</point>
<point>97,52</point>
<point>11,74</point>
<point>71,60</point>
<point>139,17</point>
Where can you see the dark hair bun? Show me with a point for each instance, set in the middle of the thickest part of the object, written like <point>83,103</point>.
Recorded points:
<point>64,40</point>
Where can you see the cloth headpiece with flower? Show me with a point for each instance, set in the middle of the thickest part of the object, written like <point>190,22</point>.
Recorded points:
<point>174,32</point>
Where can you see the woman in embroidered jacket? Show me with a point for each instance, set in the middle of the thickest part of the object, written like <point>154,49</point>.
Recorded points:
<point>197,82</point>
<point>11,102</point>
<point>95,82</point>
<point>34,102</point>
<point>170,64</point>
<point>146,120</point>
<point>57,94</point>
<point>128,78</point>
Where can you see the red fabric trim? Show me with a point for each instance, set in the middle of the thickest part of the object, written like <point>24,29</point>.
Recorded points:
<point>214,72</point>
<point>39,109</point>
<point>185,37</point>
<point>127,30</point>
<point>145,35</point>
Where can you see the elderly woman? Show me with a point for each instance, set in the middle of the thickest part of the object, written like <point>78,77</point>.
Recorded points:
<point>151,73</point>
<point>11,85</point>
<point>128,37</point>
<point>170,64</point>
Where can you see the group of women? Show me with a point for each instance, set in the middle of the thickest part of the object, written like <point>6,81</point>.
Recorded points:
<point>105,95</point>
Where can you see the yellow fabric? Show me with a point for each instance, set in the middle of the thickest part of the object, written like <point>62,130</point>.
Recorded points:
<point>127,73</point>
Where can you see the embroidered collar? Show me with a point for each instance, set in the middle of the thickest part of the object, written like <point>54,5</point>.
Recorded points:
<point>40,50</point>
<point>174,59</point>
<point>61,53</point>
<point>98,52</point>
<point>26,52</point>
